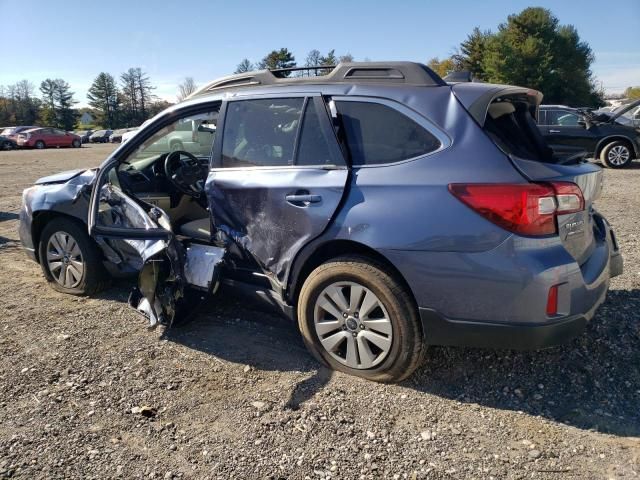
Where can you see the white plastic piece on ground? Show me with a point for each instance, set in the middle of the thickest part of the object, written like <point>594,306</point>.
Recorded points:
<point>200,264</point>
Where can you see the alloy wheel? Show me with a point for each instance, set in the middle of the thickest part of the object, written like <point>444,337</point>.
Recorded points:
<point>618,155</point>
<point>353,325</point>
<point>64,259</point>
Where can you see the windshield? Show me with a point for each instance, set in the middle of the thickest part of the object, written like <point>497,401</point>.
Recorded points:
<point>193,134</point>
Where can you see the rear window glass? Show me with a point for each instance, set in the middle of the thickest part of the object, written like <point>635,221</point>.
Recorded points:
<point>377,134</point>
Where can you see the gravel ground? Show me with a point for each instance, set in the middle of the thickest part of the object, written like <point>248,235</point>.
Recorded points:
<point>89,392</point>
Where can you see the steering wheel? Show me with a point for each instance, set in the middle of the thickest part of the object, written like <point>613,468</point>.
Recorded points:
<point>184,171</point>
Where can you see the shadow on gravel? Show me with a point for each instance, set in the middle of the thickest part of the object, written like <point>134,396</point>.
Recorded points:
<point>4,216</point>
<point>590,383</point>
<point>265,342</point>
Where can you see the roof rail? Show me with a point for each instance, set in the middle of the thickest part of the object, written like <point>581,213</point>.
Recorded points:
<point>394,73</point>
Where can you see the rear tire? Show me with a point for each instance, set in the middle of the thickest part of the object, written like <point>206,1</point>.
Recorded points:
<point>342,341</point>
<point>616,154</point>
<point>40,145</point>
<point>88,275</point>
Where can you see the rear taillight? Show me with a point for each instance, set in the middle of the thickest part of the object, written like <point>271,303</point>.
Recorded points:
<point>523,208</point>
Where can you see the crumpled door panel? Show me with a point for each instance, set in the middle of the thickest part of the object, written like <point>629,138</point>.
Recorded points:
<point>168,269</point>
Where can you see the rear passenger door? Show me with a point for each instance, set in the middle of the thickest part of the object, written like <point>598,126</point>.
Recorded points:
<point>277,177</point>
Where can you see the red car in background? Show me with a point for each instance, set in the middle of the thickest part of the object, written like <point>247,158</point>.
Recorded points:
<point>48,137</point>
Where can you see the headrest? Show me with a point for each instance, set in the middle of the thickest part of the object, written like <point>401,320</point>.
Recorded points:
<point>497,110</point>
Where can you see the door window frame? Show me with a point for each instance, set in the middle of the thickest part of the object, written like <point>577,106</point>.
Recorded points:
<point>325,123</point>
<point>157,123</point>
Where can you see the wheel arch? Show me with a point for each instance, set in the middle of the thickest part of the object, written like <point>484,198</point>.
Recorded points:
<point>615,138</point>
<point>306,262</point>
<point>40,219</point>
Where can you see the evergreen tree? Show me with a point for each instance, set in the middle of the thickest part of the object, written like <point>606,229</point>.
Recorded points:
<point>104,97</point>
<point>244,66</point>
<point>533,50</point>
<point>277,59</point>
<point>472,52</point>
<point>63,96</point>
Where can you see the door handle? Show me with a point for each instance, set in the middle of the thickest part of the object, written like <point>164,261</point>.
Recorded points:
<point>302,200</point>
<point>554,131</point>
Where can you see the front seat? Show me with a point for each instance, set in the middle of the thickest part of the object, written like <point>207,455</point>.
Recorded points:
<point>199,229</point>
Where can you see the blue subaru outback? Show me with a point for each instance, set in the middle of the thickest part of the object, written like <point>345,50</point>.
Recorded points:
<point>379,206</point>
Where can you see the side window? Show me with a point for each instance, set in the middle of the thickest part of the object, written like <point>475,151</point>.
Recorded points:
<point>313,146</point>
<point>562,118</point>
<point>378,134</point>
<point>261,132</point>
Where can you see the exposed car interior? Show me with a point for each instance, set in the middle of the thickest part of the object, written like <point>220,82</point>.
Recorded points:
<point>511,124</point>
<point>169,177</point>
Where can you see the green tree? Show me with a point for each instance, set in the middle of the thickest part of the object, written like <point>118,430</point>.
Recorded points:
<point>66,116</point>
<point>472,52</point>
<point>130,114</point>
<point>104,97</point>
<point>277,59</point>
<point>244,66</point>
<point>533,50</point>
<point>48,113</point>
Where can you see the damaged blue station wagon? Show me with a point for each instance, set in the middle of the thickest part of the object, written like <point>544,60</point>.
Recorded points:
<point>381,207</point>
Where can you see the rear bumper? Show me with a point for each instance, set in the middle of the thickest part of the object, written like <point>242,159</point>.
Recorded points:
<point>439,330</point>
<point>442,331</point>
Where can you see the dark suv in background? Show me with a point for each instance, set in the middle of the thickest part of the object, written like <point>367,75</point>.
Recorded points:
<point>380,207</point>
<point>612,137</point>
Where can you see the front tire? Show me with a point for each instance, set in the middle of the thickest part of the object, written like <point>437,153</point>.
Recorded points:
<point>358,318</point>
<point>70,260</point>
<point>40,145</point>
<point>616,155</point>
<point>76,144</point>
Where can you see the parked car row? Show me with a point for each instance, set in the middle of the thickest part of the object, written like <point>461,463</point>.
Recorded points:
<point>37,137</point>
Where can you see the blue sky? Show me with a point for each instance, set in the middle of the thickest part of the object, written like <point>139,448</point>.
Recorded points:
<point>207,39</point>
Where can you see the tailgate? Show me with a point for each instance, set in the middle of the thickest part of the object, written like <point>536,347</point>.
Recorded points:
<point>576,230</point>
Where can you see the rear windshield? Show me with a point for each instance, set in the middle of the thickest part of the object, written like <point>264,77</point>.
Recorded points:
<point>511,126</point>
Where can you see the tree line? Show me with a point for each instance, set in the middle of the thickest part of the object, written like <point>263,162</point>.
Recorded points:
<point>531,49</point>
<point>283,59</point>
<point>114,104</point>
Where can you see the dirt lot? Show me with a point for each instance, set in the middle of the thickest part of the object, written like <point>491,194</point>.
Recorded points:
<point>237,396</point>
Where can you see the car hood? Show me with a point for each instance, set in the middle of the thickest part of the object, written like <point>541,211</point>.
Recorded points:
<point>61,177</point>
<point>621,110</point>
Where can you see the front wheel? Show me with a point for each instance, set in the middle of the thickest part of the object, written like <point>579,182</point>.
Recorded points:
<point>359,319</point>
<point>616,155</point>
<point>70,261</point>
<point>40,145</point>
<point>76,144</point>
